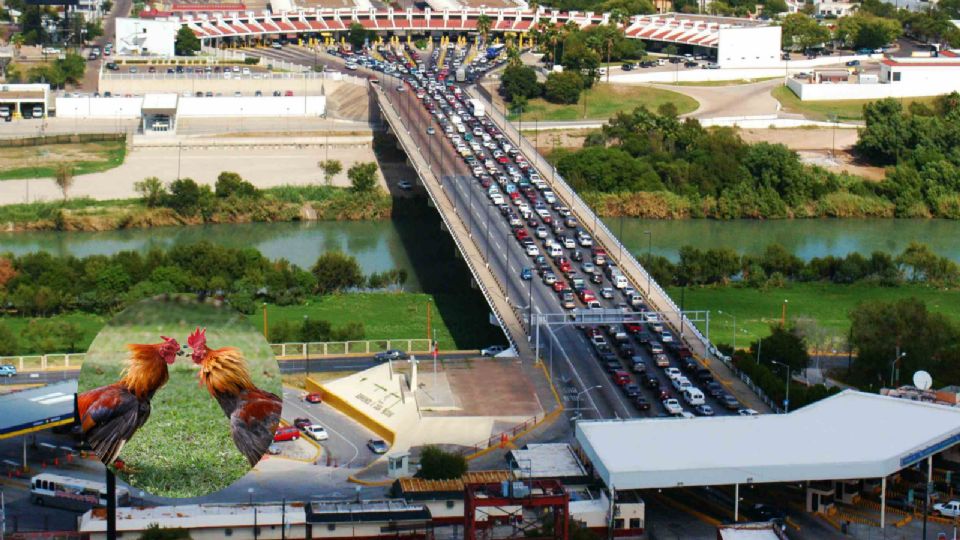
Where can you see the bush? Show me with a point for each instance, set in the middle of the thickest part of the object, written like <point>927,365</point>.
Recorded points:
<point>8,341</point>
<point>315,330</point>
<point>188,198</point>
<point>363,177</point>
<point>435,464</point>
<point>351,331</point>
<point>251,60</point>
<point>151,190</point>
<point>230,184</point>
<point>564,87</point>
<point>336,271</point>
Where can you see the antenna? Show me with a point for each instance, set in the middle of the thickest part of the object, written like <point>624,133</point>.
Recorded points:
<point>922,380</point>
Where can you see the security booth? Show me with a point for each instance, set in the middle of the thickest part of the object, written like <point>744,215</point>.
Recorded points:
<point>159,113</point>
<point>820,496</point>
<point>24,101</point>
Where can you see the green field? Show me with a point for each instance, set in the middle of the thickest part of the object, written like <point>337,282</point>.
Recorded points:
<point>384,315</point>
<point>42,161</point>
<point>851,109</point>
<point>605,100</point>
<point>755,309</point>
<point>185,449</point>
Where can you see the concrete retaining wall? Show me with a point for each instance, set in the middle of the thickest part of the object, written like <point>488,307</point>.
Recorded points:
<point>825,92</point>
<point>161,83</point>
<point>733,74</point>
<point>193,107</point>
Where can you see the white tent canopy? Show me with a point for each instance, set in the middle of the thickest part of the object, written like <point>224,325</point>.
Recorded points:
<point>851,435</point>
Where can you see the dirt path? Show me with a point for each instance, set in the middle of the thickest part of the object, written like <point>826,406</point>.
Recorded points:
<point>825,147</point>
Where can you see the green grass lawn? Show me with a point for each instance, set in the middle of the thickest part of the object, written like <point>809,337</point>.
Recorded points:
<point>384,315</point>
<point>755,310</point>
<point>42,161</point>
<point>851,109</point>
<point>185,449</point>
<point>605,100</point>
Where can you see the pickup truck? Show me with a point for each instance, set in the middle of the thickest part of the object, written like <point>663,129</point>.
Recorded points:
<point>948,509</point>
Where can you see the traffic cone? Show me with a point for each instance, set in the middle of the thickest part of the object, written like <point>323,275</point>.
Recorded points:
<point>503,440</point>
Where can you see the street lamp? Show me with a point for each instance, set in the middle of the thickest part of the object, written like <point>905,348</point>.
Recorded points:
<point>893,365</point>
<point>582,392</point>
<point>649,258</point>
<point>306,342</point>
<point>734,317</point>
<point>786,399</point>
<point>783,313</point>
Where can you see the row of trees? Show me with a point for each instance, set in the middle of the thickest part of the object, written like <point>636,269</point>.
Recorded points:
<point>231,193</point>
<point>315,331</point>
<point>919,143</point>
<point>60,71</point>
<point>41,335</point>
<point>800,31</point>
<point>717,174</point>
<point>916,264</point>
<point>41,284</point>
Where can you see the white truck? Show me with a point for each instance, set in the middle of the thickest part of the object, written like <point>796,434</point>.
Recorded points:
<point>476,107</point>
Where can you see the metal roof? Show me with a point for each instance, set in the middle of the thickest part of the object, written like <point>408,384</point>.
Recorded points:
<point>419,485</point>
<point>31,410</point>
<point>851,435</point>
<point>551,460</point>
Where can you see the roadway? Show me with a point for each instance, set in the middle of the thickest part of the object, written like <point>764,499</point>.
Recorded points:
<point>567,351</point>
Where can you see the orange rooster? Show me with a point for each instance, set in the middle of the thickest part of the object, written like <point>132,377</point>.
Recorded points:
<point>110,415</point>
<point>254,413</point>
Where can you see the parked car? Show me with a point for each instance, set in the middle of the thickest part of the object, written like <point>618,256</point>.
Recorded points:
<point>392,354</point>
<point>313,397</point>
<point>301,423</point>
<point>317,433</point>
<point>288,433</point>
<point>273,449</point>
<point>8,370</point>
<point>492,350</point>
<point>378,446</point>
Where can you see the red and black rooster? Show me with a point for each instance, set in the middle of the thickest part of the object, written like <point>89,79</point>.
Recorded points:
<point>110,415</point>
<point>254,413</point>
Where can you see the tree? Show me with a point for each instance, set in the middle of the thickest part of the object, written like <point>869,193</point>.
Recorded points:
<point>773,7</point>
<point>186,43</point>
<point>519,81</point>
<point>564,87</point>
<point>670,50</point>
<point>335,271</point>
<point>435,464</point>
<point>867,31</point>
<point>7,272</point>
<point>801,31</point>
<point>785,345</point>
<point>363,177</point>
<point>331,168</point>
<point>231,184</point>
<point>64,178</point>
<point>357,36</point>
<point>151,190</point>
<point>155,532</point>
<point>315,330</point>
<point>188,198</point>
<point>8,341</point>
<point>483,26</point>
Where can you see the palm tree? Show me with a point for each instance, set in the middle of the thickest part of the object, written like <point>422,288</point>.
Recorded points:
<point>513,56</point>
<point>483,26</point>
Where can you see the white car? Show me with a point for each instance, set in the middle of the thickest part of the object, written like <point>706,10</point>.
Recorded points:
<point>351,66</point>
<point>246,71</point>
<point>672,373</point>
<point>533,250</point>
<point>316,432</point>
<point>747,412</point>
<point>672,406</point>
<point>666,336</point>
<point>947,509</point>
<point>493,350</point>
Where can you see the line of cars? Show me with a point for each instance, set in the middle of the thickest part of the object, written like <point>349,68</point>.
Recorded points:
<point>534,213</point>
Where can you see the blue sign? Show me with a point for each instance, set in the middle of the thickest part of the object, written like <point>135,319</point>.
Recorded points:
<point>915,457</point>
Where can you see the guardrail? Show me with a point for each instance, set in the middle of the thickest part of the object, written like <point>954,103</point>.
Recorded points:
<point>334,348</point>
<point>486,293</point>
<point>499,438</point>
<point>162,75</point>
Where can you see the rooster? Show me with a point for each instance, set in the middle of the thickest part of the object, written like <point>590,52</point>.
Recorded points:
<point>110,415</point>
<point>254,413</point>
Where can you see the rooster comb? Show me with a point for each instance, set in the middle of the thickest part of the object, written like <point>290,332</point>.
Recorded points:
<point>197,339</point>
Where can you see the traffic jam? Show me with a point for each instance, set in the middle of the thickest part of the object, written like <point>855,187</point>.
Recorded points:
<point>652,368</point>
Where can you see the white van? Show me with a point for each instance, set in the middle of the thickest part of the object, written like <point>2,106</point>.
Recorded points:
<point>38,111</point>
<point>693,396</point>
<point>556,250</point>
<point>620,281</point>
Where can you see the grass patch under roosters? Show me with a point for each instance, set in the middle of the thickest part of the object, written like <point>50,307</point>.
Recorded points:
<point>185,448</point>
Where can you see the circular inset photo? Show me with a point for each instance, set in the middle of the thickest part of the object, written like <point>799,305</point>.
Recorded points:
<point>179,396</point>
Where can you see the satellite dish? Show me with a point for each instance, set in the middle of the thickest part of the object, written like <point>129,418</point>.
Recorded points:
<point>922,380</point>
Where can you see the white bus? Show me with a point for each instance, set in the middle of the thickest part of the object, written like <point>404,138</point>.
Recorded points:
<point>72,493</point>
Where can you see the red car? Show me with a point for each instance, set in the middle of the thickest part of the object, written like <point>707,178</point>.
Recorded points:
<point>521,234</point>
<point>288,433</point>
<point>314,397</point>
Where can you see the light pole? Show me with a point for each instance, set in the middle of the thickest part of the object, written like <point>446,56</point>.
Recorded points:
<point>582,392</point>
<point>649,258</point>
<point>734,317</point>
<point>786,399</point>
<point>306,342</point>
<point>893,365</point>
<point>783,313</point>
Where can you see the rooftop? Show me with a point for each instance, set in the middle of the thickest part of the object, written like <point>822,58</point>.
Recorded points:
<point>193,516</point>
<point>846,436</point>
<point>547,461</point>
<point>31,410</point>
<point>419,485</point>
<point>324,511</point>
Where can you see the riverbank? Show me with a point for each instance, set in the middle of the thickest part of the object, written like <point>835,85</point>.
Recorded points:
<point>280,204</point>
<point>826,305</point>
<point>385,315</point>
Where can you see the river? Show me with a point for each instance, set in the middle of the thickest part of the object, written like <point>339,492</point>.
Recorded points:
<point>380,245</point>
<point>806,238</point>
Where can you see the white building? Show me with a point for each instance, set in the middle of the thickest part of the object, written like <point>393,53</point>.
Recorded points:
<point>836,9</point>
<point>136,37</point>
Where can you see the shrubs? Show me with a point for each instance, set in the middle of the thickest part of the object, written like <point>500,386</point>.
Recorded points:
<point>435,464</point>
